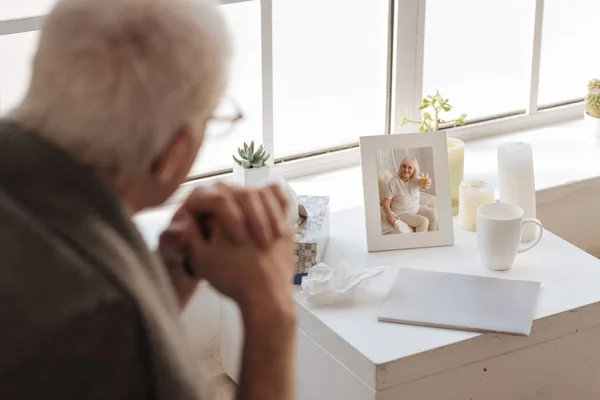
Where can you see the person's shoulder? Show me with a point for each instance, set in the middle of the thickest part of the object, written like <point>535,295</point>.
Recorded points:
<point>47,278</point>
<point>47,287</point>
<point>395,181</point>
<point>44,269</point>
<point>8,126</point>
<point>50,281</point>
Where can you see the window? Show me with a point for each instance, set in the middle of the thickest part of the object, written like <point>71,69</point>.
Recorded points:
<point>477,53</point>
<point>311,76</point>
<point>330,60</point>
<point>15,9</point>
<point>243,20</point>
<point>16,52</point>
<point>569,57</point>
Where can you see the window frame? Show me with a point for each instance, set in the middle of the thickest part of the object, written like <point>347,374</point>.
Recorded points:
<point>406,42</point>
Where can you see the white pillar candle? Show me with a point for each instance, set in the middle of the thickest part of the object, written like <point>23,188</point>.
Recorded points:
<point>472,194</point>
<point>517,184</point>
<point>456,161</point>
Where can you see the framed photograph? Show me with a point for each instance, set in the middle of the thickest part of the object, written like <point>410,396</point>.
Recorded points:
<point>406,191</point>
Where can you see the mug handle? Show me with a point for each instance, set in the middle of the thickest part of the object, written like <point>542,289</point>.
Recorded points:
<point>537,239</point>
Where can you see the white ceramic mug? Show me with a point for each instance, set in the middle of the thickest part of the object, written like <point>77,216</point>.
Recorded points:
<point>499,227</point>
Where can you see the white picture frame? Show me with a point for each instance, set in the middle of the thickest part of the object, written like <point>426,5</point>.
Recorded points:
<point>380,156</point>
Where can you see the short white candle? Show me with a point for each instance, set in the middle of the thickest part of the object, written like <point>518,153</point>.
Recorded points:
<point>456,161</point>
<point>472,194</point>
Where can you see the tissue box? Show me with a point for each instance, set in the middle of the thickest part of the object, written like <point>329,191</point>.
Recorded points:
<point>312,233</point>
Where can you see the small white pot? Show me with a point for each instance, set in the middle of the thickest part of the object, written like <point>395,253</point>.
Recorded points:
<point>290,194</point>
<point>252,177</point>
<point>593,123</point>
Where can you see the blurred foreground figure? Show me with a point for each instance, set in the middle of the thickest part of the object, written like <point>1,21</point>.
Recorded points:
<point>120,96</point>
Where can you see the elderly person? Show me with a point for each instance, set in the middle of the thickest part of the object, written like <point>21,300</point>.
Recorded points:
<point>402,201</point>
<point>120,95</point>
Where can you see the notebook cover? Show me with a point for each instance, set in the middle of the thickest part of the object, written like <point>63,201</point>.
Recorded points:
<point>463,302</point>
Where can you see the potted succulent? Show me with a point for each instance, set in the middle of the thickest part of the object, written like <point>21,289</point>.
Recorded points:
<point>251,168</point>
<point>592,106</point>
<point>433,106</point>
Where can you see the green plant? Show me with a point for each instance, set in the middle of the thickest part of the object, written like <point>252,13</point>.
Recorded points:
<point>431,121</point>
<point>592,100</point>
<point>250,158</point>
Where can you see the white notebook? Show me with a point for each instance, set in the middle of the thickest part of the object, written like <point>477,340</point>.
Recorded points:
<point>464,302</point>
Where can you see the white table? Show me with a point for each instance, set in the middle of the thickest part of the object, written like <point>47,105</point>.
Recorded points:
<point>345,353</point>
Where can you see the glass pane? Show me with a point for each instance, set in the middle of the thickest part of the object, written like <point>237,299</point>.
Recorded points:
<point>330,72</point>
<point>477,53</point>
<point>16,53</point>
<point>244,90</point>
<point>569,56</point>
<point>12,9</point>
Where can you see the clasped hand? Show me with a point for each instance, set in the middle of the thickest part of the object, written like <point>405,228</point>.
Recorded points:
<point>237,239</point>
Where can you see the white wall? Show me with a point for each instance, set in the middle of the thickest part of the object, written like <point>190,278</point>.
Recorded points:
<point>573,212</point>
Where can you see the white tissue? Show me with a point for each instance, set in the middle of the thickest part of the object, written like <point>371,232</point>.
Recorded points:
<point>328,285</point>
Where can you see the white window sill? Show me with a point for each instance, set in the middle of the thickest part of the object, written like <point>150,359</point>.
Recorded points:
<point>566,156</point>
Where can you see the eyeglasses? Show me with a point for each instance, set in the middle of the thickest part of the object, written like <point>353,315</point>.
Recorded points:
<point>226,118</point>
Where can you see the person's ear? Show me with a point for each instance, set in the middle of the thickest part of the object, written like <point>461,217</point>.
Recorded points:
<point>168,167</point>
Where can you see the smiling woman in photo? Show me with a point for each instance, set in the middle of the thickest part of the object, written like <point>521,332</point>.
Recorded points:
<point>401,202</point>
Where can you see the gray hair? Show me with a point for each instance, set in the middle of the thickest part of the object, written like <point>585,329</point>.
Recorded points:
<point>415,164</point>
<point>113,82</point>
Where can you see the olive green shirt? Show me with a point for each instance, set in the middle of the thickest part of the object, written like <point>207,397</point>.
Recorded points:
<point>86,310</point>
